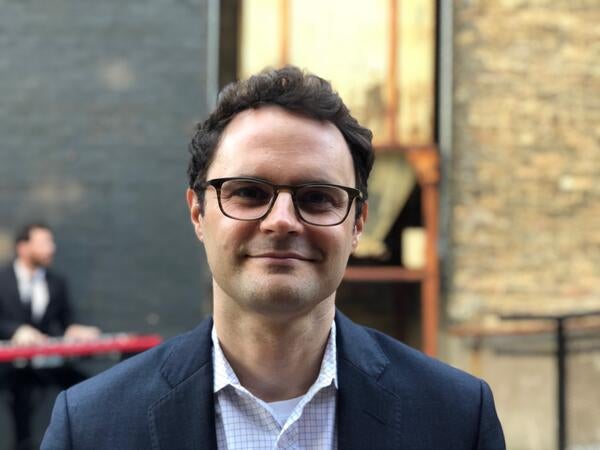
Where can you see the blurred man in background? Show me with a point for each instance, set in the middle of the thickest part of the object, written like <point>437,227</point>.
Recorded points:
<point>34,305</point>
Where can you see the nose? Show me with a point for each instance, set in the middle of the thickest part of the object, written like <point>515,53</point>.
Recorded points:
<point>282,218</point>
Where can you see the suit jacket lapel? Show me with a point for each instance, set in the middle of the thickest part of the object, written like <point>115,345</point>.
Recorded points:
<point>12,290</point>
<point>184,418</point>
<point>19,311</point>
<point>368,413</point>
<point>54,300</point>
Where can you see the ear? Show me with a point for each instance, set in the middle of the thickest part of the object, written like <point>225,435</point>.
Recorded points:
<point>359,225</point>
<point>195,216</point>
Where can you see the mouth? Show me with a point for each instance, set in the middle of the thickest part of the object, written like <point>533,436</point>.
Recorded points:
<point>281,256</point>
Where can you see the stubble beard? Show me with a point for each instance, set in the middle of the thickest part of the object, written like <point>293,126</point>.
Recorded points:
<point>277,293</point>
<point>40,262</point>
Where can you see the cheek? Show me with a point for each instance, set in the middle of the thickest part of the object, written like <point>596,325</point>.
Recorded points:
<point>338,245</point>
<point>223,238</point>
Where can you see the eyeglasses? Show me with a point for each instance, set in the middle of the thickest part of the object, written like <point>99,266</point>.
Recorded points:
<point>322,204</point>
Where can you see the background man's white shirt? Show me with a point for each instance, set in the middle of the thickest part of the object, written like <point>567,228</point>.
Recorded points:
<point>33,289</point>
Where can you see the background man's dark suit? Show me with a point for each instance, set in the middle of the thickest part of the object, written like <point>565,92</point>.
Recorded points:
<point>55,320</point>
<point>390,397</point>
<point>12,313</point>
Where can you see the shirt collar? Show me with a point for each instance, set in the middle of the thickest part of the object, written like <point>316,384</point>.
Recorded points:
<point>24,275</point>
<point>224,375</point>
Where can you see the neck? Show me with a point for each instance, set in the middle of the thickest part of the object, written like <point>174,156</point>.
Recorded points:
<point>275,359</point>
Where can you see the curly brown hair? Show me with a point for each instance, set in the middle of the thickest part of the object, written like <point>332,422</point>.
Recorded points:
<point>292,89</point>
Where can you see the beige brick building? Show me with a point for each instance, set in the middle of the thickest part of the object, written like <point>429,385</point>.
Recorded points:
<point>524,198</point>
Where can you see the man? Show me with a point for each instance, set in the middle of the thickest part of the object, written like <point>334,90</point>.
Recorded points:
<point>278,189</point>
<point>34,305</point>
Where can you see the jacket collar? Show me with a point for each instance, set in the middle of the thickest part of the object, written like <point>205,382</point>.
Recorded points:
<point>185,415</point>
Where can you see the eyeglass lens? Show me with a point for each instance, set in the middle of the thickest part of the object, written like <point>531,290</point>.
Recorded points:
<point>317,204</point>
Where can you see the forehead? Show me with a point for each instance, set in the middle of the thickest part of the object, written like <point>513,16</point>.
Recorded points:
<point>282,146</point>
<point>40,234</point>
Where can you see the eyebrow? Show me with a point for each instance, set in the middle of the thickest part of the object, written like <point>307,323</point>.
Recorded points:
<point>297,182</point>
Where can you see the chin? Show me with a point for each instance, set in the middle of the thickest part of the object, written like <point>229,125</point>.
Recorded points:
<point>276,297</point>
<point>43,263</point>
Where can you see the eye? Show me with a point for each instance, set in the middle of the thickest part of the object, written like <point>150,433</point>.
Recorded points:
<point>250,192</point>
<point>320,197</point>
<point>316,196</point>
<point>246,192</point>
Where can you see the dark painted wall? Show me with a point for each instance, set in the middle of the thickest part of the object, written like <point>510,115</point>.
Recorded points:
<point>97,102</point>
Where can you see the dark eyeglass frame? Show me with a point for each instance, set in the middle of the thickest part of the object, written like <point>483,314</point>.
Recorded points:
<point>217,183</point>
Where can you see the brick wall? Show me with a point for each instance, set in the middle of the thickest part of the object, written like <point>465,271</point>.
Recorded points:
<point>97,102</point>
<point>525,199</point>
<point>526,156</point>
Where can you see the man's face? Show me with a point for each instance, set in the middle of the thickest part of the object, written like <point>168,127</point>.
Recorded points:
<point>278,265</point>
<point>39,250</point>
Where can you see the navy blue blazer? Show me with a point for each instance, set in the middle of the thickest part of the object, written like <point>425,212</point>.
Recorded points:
<point>56,319</point>
<point>390,397</point>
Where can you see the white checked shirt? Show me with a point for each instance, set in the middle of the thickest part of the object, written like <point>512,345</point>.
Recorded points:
<point>244,421</point>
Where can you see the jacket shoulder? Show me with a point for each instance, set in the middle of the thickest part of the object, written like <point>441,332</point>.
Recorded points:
<point>119,399</point>
<point>52,276</point>
<point>398,367</point>
<point>435,404</point>
<point>138,378</point>
<point>134,384</point>
<point>407,363</point>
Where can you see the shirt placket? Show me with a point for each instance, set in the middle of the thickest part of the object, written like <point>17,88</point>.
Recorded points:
<point>262,417</point>
<point>288,438</point>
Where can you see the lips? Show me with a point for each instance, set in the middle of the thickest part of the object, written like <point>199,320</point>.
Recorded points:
<point>281,250</point>
<point>281,255</point>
